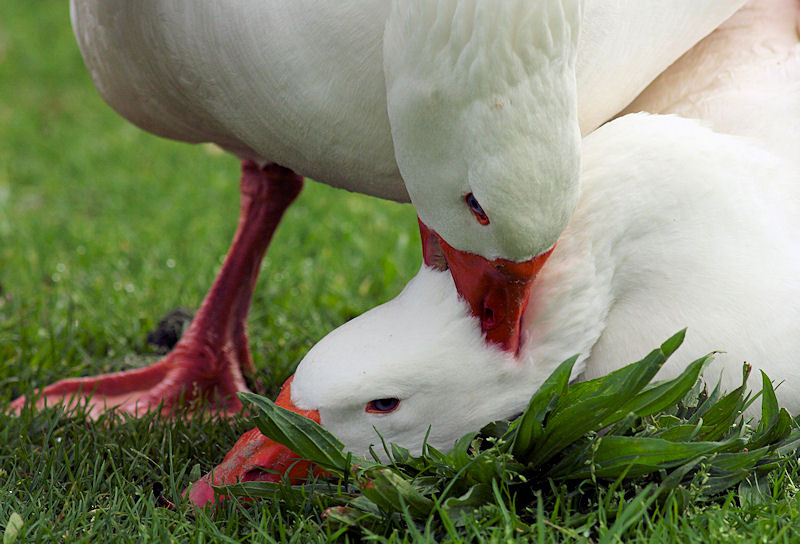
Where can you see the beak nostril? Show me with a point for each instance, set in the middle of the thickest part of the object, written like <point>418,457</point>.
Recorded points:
<point>487,319</point>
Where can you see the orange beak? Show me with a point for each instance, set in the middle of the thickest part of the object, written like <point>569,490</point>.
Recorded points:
<point>255,457</point>
<point>497,291</point>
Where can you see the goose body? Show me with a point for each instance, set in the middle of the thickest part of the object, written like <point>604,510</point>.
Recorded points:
<point>468,109</point>
<point>301,83</point>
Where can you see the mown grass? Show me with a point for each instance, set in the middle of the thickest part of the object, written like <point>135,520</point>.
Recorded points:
<point>104,228</point>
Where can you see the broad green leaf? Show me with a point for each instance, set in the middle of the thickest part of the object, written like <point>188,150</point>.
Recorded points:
<point>623,426</point>
<point>437,456</point>
<point>13,528</point>
<point>528,427</point>
<point>788,445</point>
<point>483,468</point>
<point>400,454</point>
<point>678,475</point>
<point>256,490</point>
<point>754,491</point>
<point>673,343</point>
<point>736,461</point>
<point>769,403</point>
<point>776,423</point>
<point>266,490</point>
<point>365,505</point>
<point>347,516</point>
<point>713,485</point>
<point>710,400</point>
<point>459,455</point>
<point>664,421</point>
<point>780,428</point>
<point>300,434</point>
<point>662,395</point>
<point>633,376</point>
<point>498,429</point>
<point>720,416</point>
<point>680,433</point>
<point>616,427</point>
<point>640,456</point>
<point>475,496</point>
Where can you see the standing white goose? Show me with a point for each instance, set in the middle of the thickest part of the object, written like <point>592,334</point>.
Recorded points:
<point>677,225</point>
<point>474,101</point>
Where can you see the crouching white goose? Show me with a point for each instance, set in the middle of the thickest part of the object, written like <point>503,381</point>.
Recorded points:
<point>475,102</point>
<point>676,226</point>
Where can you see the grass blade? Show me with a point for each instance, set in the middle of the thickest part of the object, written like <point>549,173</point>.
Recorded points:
<point>393,493</point>
<point>528,427</point>
<point>639,456</point>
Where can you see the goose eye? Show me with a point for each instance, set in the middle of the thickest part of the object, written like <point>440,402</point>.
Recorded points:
<point>476,209</point>
<point>382,406</point>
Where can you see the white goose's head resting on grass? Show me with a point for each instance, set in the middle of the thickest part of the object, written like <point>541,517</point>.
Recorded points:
<point>372,374</point>
<point>482,101</point>
<point>676,226</point>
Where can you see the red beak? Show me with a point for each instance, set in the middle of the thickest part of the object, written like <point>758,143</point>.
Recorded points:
<point>497,291</point>
<point>255,457</point>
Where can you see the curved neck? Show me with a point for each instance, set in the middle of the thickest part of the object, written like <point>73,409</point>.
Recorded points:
<point>482,99</point>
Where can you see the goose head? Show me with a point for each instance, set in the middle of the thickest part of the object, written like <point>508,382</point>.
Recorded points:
<point>434,376</point>
<point>482,102</point>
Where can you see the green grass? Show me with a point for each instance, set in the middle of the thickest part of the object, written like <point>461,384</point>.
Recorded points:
<point>103,229</point>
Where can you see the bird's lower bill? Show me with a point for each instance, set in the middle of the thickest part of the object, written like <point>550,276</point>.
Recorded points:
<point>255,457</point>
<point>497,291</point>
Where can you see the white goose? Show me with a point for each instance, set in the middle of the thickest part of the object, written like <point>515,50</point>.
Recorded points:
<point>474,101</point>
<point>704,245</point>
<point>677,225</point>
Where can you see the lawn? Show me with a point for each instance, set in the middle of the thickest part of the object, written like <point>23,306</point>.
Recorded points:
<point>104,229</point>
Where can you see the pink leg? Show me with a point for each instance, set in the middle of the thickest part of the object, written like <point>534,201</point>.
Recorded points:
<point>209,361</point>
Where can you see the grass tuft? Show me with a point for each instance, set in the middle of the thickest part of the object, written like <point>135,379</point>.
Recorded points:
<point>617,450</point>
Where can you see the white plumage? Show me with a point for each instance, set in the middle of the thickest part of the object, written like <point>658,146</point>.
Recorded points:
<point>742,79</point>
<point>348,91</point>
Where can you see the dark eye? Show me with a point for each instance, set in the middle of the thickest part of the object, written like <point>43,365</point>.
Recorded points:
<point>476,209</point>
<point>382,406</point>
